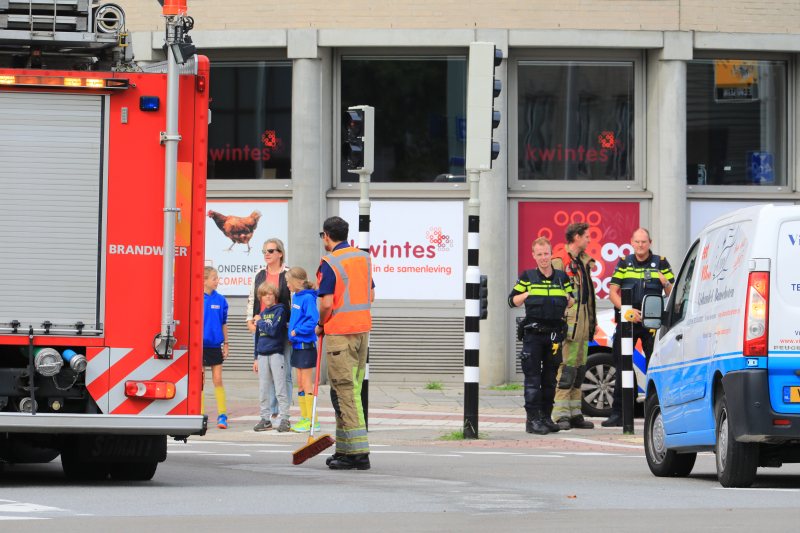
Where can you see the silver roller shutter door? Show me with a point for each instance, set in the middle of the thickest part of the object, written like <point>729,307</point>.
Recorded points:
<point>51,149</point>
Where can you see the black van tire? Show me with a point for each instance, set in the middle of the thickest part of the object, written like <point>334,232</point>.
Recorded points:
<point>737,462</point>
<point>662,461</point>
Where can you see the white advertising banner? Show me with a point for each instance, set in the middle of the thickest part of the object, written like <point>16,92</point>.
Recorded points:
<point>235,232</point>
<point>417,248</point>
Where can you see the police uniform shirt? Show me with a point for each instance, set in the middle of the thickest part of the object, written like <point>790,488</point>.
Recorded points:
<point>557,285</point>
<point>635,272</point>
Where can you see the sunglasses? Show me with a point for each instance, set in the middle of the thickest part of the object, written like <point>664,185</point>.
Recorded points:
<point>321,234</point>
<point>269,251</point>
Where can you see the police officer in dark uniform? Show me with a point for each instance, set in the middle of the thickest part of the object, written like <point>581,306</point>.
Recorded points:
<point>547,294</point>
<point>644,273</point>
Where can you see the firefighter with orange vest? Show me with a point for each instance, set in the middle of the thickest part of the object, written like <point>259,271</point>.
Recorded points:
<point>346,291</point>
<point>581,324</point>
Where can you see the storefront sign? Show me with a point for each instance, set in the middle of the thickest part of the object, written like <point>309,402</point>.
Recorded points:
<point>235,233</point>
<point>417,248</point>
<point>611,225</point>
<point>735,80</point>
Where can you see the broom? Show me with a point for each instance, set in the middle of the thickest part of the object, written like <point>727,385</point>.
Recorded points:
<point>314,447</point>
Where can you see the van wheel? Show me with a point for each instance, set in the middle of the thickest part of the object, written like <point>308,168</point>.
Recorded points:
<point>737,462</point>
<point>134,471</point>
<point>663,462</point>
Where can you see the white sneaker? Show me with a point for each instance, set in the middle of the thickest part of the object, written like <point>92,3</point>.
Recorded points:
<point>640,398</point>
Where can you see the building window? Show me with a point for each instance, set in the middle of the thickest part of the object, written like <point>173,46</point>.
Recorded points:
<point>576,120</point>
<point>250,135</point>
<point>736,130</point>
<point>420,115</point>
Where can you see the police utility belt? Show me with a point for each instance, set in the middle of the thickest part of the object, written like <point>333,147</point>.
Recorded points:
<point>523,328</point>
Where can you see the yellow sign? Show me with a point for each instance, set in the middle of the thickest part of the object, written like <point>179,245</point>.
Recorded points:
<point>735,74</point>
<point>795,395</point>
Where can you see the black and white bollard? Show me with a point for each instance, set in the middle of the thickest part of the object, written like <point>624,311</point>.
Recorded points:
<point>363,245</point>
<point>472,314</point>
<point>625,332</point>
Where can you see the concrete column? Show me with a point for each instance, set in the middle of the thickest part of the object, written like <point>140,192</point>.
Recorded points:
<point>306,148</point>
<point>494,231</point>
<point>666,144</point>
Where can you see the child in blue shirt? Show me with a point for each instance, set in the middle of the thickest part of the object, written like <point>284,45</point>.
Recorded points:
<point>215,341</point>
<point>269,362</point>
<point>304,342</point>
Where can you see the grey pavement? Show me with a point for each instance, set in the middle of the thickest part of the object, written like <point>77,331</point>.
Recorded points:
<point>207,486</point>
<point>383,395</point>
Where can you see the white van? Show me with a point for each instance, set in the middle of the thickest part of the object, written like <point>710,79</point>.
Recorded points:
<point>725,370</point>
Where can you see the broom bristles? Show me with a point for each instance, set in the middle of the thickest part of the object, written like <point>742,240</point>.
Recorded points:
<point>312,449</point>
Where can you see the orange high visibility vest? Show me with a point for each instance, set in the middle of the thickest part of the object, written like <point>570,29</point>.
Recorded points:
<point>353,292</point>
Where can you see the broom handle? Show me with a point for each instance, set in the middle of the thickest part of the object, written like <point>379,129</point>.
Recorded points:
<point>316,386</point>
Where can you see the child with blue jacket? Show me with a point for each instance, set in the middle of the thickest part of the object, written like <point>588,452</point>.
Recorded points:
<point>304,342</point>
<point>269,361</point>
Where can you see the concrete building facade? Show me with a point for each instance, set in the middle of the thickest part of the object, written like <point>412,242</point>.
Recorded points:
<point>654,113</point>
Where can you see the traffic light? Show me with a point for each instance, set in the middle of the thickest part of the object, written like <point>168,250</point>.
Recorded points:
<point>483,293</point>
<point>482,119</point>
<point>358,145</point>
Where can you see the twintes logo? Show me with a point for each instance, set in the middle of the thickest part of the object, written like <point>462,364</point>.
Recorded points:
<point>121,249</point>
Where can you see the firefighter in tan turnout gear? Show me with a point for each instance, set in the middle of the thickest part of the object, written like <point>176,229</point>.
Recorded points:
<point>581,321</point>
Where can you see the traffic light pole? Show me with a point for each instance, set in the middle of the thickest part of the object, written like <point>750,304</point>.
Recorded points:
<point>363,244</point>
<point>625,332</point>
<point>472,311</point>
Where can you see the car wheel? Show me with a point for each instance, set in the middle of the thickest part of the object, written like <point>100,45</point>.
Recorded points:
<point>597,389</point>
<point>662,461</point>
<point>737,462</point>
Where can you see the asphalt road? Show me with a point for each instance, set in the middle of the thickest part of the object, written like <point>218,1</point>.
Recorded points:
<point>219,486</point>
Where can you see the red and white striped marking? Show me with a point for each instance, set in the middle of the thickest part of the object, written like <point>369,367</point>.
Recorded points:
<point>109,368</point>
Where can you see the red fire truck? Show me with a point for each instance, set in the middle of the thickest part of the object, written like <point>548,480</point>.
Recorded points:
<point>102,196</point>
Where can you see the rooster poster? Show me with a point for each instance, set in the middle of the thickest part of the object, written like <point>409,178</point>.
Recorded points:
<point>235,233</point>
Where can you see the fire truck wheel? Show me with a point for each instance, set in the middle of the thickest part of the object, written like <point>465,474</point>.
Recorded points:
<point>134,471</point>
<point>75,469</point>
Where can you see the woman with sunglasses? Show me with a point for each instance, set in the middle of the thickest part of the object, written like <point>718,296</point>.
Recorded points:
<point>274,272</point>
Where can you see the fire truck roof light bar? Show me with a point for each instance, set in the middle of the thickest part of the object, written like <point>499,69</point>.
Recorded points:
<point>63,81</point>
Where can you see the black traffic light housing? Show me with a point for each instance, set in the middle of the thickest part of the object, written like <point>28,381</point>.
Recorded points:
<point>353,144</point>
<point>483,293</point>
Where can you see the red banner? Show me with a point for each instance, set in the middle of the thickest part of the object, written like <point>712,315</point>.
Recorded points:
<point>611,225</point>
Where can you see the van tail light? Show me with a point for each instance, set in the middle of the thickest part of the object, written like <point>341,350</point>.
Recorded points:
<point>200,84</point>
<point>755,317</point>
<point>151,390</point>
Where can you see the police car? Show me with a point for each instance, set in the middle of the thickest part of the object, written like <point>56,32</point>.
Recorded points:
<point>598,385</point>
<point>725,370</point>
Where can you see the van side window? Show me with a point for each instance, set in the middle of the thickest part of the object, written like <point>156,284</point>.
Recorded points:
<point>683,287</point>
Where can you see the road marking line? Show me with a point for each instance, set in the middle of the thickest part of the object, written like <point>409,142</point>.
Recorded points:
<point>22,518</point>
<point>229,454</point>
<point>588,441</point>
<point>588,453</point>
<point>389,451</point>
<point>170,452</point>
<point>493,453</point>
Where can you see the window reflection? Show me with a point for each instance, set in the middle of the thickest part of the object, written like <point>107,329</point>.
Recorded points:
<point>420,115</point>
<point>736,122</point>
<point>575,120</point>
<point>250,135</point>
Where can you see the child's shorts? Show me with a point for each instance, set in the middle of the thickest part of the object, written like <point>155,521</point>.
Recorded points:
<point>212,356</point>
<point>304,358</point>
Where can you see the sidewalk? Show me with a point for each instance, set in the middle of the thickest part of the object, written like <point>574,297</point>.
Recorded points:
<point>412,415</point>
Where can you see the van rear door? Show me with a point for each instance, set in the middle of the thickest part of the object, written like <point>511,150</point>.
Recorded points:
<point>784,320</point>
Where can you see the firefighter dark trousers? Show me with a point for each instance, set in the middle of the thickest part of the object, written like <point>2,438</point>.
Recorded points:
<point>647,336</point>
<point>347,362</point>
<point>573,366</point>
<point>540,373</point>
